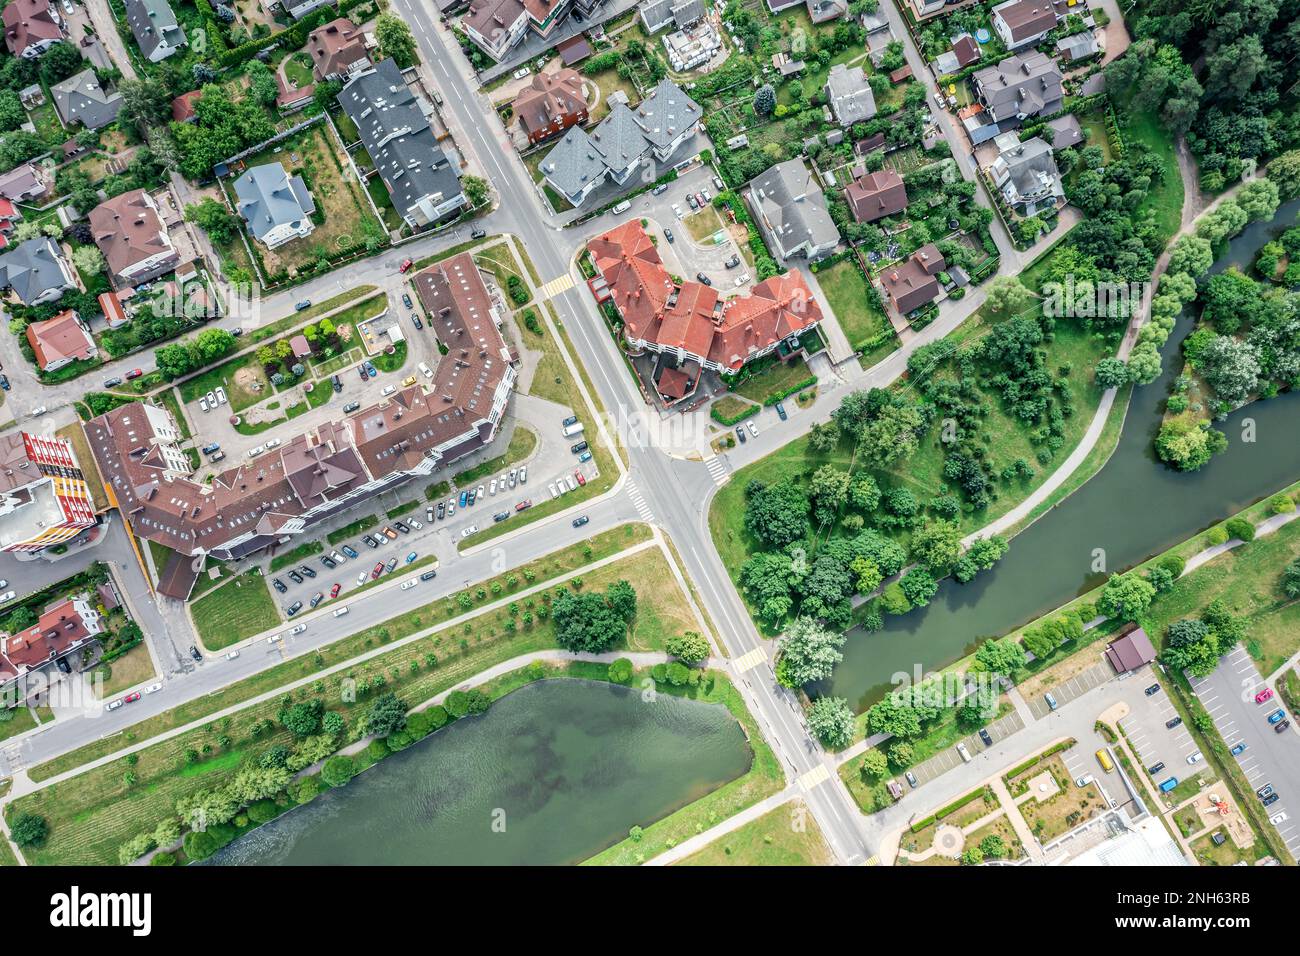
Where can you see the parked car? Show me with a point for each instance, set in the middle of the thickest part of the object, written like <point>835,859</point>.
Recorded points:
<point>780,411</point>
<point>390,533</point>
<point>337,383</point>
<point>1195,757</point>
<point>428,575</point>
<point>910,778</point>
<point>307,571</point>
<point>132,698</point>
<point>406,300</point>
<point>1153,689</point>
<point>336,557</point>
<point>304,304</point>
<point>520,73</point>
<point>984,736</point>
<point>501,516</point>
<point>295,577</point>
<point>406,265</point>
<point>718,184</point>
<point>134,373</point>
<point>703,278</point>
<point>293,608</point>
<point>524,505</point>
<point>571,420</point>
<point>402,526</point>
<point>425,370</point>
<point>216,456</point>
<point>377,570</point>
<point>585,456</point>
<point>4,382</point>
<point>472,529</point>
<point>279,585</point>
<point>221,395</point>
<point>753,429</point>
<point>111,382</point>
<point>1156,768</point>
<point>1271,799</point>
<point>732,262</point>
<point>477,232</point>
<point>690,201</point>
<point>523,474</point>
<point>1278,728</point>
<point>1277,715</point>
<point>370,540</point>
<point>1173,722</point>
<point>582,479</point>
<point>350,551</point>
<point>203,404</point>
<point>1263,695</point>
<point>328,562</point>
<point>351,407</point>
<point>362,371</point>
<point>668,234</point>
<point>442,510</point>
<point>209,448</point>
<point>113,705</point>
<point>254,452</point>
<point>579,447</point>
<point>392,563</point>
<point>740,433</point>
<point>388,390</point>
<point>316,599</point>
<point>334,591</point>
<point>1239,749</point>
<point>1051,701</point>
<point>194,653</point>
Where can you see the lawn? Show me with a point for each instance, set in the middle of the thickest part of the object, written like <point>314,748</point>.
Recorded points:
<point>851,299</point>
<point>775,379</point>
<point>132,668</point>
<point>296,555</point>
<point>551,379</point>
<point>501,262</point>
<point>1228,853</point>
<point>1166,197</point>
<point>522,443</point>
<point>352,529</point>
<point>86,461</point>
<point>1065,810</point>
<point>786,836</point>
<point>236,610</point>
<point>703,225</point>
<point>242,377</point>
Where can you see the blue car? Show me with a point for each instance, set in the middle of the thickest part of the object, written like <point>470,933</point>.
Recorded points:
<point>410,557</point>
<point>1237,750</point>
<point>464,496</point>
<point>210,448</point>
<point>1277,715</point>
<point>350,551</point>
<point>371,370</point>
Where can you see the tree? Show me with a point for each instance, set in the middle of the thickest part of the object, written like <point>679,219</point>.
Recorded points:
<point>1002,656</point>
<point>620,671</point>
<point>592,622</point>
<point>28,829</point>
<point>387,715</point>
<point>395,40</point>
<point>893,433</point>
<point>807,653</point>
<point>262,86</point>
<point>88,260</point>
<point>767,578</point>
<point>1291,579</point>
<point>828,490</point>
<point>12,114</point>
<point>689,647</point>
<point>823,437</point>
<point>937,545</point>
<point>1112,373</point>
<point>831,719</point>
<point>215,219</point>
<point>778,515</point>
<point>1188,444</point>
<point>146,102</point>
<point>918,585</point>
<point>875,764</point>
<point>476,190</point>
<point>1285,171</point>
<point>303,718</point>
<point>864,494</point>
<point>338,770</point>
<point>60,61</point>
<point>1231,367</point>
<point>1192,255</point>
<point>1126,596</point>
<point>1007,295</point>
<point>1144,364</point>
<point>765,100</point>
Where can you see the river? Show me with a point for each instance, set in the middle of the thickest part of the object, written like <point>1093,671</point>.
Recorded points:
<point>552,773</point>
<point>1133,508</point>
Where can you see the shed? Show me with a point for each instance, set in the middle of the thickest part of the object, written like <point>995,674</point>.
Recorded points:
<point>301,348</point>
<point>1131,651</point>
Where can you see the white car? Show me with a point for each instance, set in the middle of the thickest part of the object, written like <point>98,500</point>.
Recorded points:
<point>273,443</point>
<point>550,486</point>
<point>407,585</point>
<point>254,452</point>
<point>479,492</point>
<point>388,390</point>
<point>68,8</point>
<point>472,529</point>
<point>1278,818</point>
<point>523,474</point>
<point>425,370</point>
<point>221,395</point>
<point>414,524</point>
<point>232,655</point>
<point>363,577</point>
<point>212,399</point>
<point>298,629</point>
<point>742,279</point>
<point>337,558</point>
<point>520,73</point>
<point>203,403</point>
<point>677,210</point>
<point>38,411</point>
<point>7,596</point>
<point>4,583</point>
<point>492,488</point>
<point>274,639</point>
<point>153,688</point>
<point>451,508</point>
<point>1195,758</point>
<point>113,704</point>
<point>753,429</point>
<point>340,611</point>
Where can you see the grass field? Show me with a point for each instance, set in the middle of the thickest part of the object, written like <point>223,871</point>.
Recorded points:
<point>236,610</point>
<point>522,444</point>
<point>786,836</point>
<point>850,298</point>
<point>132,668</point>
<point>1165,200</point>
<point>774,379</point>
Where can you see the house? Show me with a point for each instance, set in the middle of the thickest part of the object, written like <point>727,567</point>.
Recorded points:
<point>24,183</point>
<point>114,313</point>
<point>32,96</point>
<point>496,26</point>
<point>622,142</point>
<point>300,8</point>
<point>60,341</point>
<point>36,272</point>
<point>912,285</point>
<point>394,127</point>
<point>924,9</point>
<point>276,206</point>
<point>1064,132</point>
<point>963,53</point>
<point>849,95</point>
<point>876,195</point>
<point>291,100</point>
<point>1015,89</point>
<point>31,27</point>
<point>874,21</point>
<point>679,14</point>
<point>153,23</point>
<point>550,104</point>
<point>130,233</point>
<point>1078,46</point>
<point>688,321</point>
<point>46,500</point>
<point>820,11</point>
<point>289,490</point>
<point>1019,23</point>
<point>575,49</point>
<point>64,629</point>
<point>791,210</point>
<point>1131,651</point>
<point>80,99</point>
<point>183,106</point>
<point>1026,175</point>
<point>337,50</point>
<point>692,47</point>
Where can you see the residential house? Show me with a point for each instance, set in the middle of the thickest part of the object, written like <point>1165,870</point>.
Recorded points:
<point>337,50</point>
<point>1026,175</point>
<point>679,14</point>
<point>129,231</point>
<point>114,312</point>
<point>1078,46</point>
<point>925,9</point>
<point>300,8</point>
<point>276,206</point>
<point>289,490</point>
<point>393,123</point>
<point>689,322</point>
<point>24,183</point>
<point>791,211</point>
<point>550,104</point>
<point>44,497</point>
<point>81,99</point>
<point>1128,653</point>
<point>31,27</point>
<point>1010,92</point>
<point>1064,132</point>
<point>495,26</point>
<point>153,23</point>
<point>912,285</point>
<point>183,107</point>
<point>1019,23</point>
<point>36,271</point>
<point>849,95</point>
<point>820,11</point>
<point>64,629</point>
<point>61,341</point>
<point>876,195</point>
<point>963,53</point>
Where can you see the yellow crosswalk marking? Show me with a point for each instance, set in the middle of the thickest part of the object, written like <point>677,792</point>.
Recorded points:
<point>817,775</point>
<point>557,285</point>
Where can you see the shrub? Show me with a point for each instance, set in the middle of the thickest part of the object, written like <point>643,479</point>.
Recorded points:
<point>263,811</point>
<point>338,770</point>
<point>620,671</point>
<point>1216,535</point>
<point>1240,528</point>
<point>163,859</point>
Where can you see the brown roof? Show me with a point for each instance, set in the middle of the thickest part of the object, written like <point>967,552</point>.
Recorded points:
<point>1028,18</point>
<point>183,106</point>
<point>966,50</point>
<point>1131,651</point>
<point>127,230</point>
<point>59,338</point>
<point>574,50</point>
<point>27,22</point>
<point>334,47</point>
<point>912,284</point>
<point>550,96</point>
<point>488,17</point>
<point>876,195</point>
<point>58,628</point>
<point>902,73</point>
<point>176,580</point>
<point>673,383</point>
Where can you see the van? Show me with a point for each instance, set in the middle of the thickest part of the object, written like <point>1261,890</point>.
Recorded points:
<point>965,754</point>
<point>1169,785</point>
<point>340,611</point>
<point>895,789</point>
<point>621,208</point>
<point>573,429</point>
<point>1103,758</point>
<point>1051,701</point>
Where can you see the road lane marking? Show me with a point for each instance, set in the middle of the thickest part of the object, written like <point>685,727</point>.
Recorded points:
<point>817,775</point>
<point>717,470</point>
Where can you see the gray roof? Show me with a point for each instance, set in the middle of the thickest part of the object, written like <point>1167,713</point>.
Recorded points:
<point>1078,45</point>
<point>81,98</point>
<point>1031,167</point>
<point>269,198</point>
<point>32,268</point>
<point>666,112</point>
<point>154,24</point>
<point>396,134</point>
<point>657,14</point>
<point>1023,84</point>
<point>793,205</point>
<point>687,12</point>
<point>850,94</point>
<point>574,162</point>
<point>1065,131</point>
<point>619,139</point>
<point>874,20</point>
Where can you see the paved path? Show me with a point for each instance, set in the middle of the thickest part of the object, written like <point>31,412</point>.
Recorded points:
<point>729,825</point>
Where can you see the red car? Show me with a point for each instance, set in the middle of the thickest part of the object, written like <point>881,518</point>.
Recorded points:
<point>526,503</point>
<point>132,698</point>
<point>582,479</point>
<point>406,265</point>
<point>1263,695</point>
<point>378,570</point>
<point>334,591</point>
<point>135,373</point>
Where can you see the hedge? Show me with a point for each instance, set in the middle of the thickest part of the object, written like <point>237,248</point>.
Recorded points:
<point>737,418</point>
<point>953,807</point>
<point>1055,749</point>
<point>775,397</point>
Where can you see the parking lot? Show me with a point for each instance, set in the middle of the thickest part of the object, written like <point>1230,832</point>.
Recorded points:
<point>1068,690</point>
<point>949,758</point>
<point>1269,758</point>
<point>1151,740</point>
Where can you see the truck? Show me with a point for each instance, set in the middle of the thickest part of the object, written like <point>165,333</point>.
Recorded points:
<point>574,429</point>
<point>1103,758</point>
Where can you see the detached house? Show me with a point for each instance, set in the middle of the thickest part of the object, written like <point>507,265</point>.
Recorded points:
<point>1026,175</point>
<point>550,104</point>
<point>154,26</point>
<point>276,206</point>
<point>36,272</point>
<point>31,27</point>
<point>81,99</point>
<point>1010,92</point>
<point>24,183</point>
<point>495,26</point>
<point>876,195</point>
<point>1020,23</point>
<point>60,341</point>
<point>849,95</point>
<point>791,211</point>
<point>62,632</point>
<point>337,50</point>
<point>912,285</point>
<point>130,233</point>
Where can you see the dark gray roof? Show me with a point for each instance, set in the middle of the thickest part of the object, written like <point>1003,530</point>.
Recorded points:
<point>269,198</point>
<point>1020,85</point>
<point>81,98</point>
<point>619,138</point>
<point>574,162</point>
<point>1030,166</point>
<point>666,112</point>
<point>1064,131</point>
<point>395,132</point>
<point>32,268</point>
<point>154,24</point>
<point>792,203</point>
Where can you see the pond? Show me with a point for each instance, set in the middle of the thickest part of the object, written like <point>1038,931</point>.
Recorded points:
<point>551,774</point>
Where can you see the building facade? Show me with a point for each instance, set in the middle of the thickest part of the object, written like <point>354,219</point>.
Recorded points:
<point>44,497</point>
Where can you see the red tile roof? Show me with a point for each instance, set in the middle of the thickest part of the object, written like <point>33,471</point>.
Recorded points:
<point>876,195</point>
<point>59,338</point>
<point>183,106</point>
<point>27,22</point>
<point>57,629</point>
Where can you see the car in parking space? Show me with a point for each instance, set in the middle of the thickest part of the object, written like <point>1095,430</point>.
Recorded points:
<point>1153,689</point>
<point>579,447</point>
<point>718,184</point>
<point>203,404</point>
<point>1264,791</point>
<point>585,456</point>
<point>351,407</point>
<point>1271,799</point>
<point>4,382</point>
<point>377,570</point>
<point>571,420</point>
<point>704,280</point>
<point>221,395</point>
<point>523,474</point>
<point>668,234</point>
<point>691,201</point>
<point>1173,722</point>
<point>4,582</point>
<point>363,372</point>
<point>411,557</point>
<point>732,262</point>
<point>1196,757</point>
<point>1277,715</point>
<point>334,591</point>
<point>699,198</point>
<point>910,778</point>
<point>1084,780</point>
<point>740,433</point>
<point>442,510</point>
<point>963,752</point>
<point>408,381</point>
<point>362,577</point>
<point>582,479</point>
<point>256,450</point>
<point>406,300</point>
<point>111,382</point>
<point>753,429</point>
<point>293,608</point>
<point>473,496</point>
<point>550,486</point>
<point>316,599</point>
<point>402,526</point>
<point>984,736</point>
<point>209,448</point>
<point>389,533</point>
<point>114,705</point>
<point>337,383</point>
<point>279,585</point>
<point>478,492</point>
<point>1167,785</point>
<point>388,390</point>
<point>492,487</point>
<point>659,190</point>
<point>370,368</point>
<point>415,524</point>
<point>520,73</point>
<point>351,552</point>
<point>336,557</point>
<point>463,497</point>
<point>1263,695</point>
<point>677,210</point>
<point>216,456</point>
<point>472,529</point>
<point>425,370</point>
<point>524,505</point>
<point>780,411</point>
<point>307,571</point>
<point>501,516</point>
<point>1238,750</point>
<point>1279,727</point>
<point>579,521</point>
<point>295,577</point>
<point>428,575</point>
<point>392,563</point>
<point>329,562</point>
<point>1155,768</point>
<point>134,373</point>
<point>478,232</point>
<point>1051,701</point>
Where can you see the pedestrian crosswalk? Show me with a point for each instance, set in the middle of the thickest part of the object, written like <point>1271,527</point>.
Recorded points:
<point>747,662</point>
<point>557,285</point>
<point>817,775</point>
<point>639,502</point>
<point>717,470</point>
